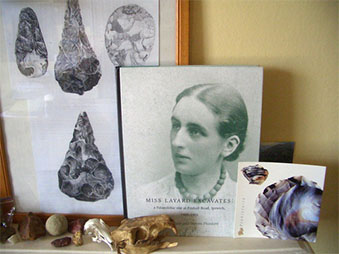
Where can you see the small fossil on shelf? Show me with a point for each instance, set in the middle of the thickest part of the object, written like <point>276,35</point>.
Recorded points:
<point>99,231</point>
<point>77,238</point>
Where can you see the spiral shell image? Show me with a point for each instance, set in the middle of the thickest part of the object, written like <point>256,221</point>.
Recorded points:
<point>289,209</point>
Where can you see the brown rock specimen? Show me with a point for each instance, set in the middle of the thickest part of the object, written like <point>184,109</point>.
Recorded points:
<point>77,238</point>
<point>62,242</point>
<point>76,225</point>
<point>31,227</point>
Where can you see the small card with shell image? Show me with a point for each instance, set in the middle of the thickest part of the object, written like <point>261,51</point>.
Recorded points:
<point>278,200</point>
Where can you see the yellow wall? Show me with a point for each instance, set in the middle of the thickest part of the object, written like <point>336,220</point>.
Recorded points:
<point>297,44</point>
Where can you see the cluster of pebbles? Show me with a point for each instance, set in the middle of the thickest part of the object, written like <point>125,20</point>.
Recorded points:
<point>32,227</point>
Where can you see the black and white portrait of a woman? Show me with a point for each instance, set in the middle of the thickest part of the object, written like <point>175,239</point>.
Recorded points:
<point>184,165</point>
<point>208,128</point>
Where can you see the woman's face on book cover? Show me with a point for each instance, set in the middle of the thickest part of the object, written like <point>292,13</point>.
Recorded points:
<point>196,145</point>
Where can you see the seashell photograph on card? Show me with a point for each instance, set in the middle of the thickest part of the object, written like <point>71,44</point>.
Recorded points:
<point>284,205</point>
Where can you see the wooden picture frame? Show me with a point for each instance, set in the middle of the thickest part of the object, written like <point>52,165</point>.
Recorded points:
<point>182,58</point>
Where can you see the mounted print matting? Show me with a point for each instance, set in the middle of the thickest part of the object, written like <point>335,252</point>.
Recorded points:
<point>184,129</point>
<point>58,97</point>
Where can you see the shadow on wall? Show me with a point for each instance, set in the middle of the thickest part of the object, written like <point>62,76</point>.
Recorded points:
<point>278,106</point>
<point>196,16</point>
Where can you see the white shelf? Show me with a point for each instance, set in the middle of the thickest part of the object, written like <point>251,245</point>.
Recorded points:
<point>186,245</point>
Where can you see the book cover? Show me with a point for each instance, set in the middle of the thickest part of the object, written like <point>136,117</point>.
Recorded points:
<point>184,129</point>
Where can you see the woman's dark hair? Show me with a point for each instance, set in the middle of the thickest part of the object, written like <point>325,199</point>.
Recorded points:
<point>227,104</point>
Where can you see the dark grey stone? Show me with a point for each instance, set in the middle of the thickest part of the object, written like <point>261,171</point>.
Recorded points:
<point>30,49</point>
<point>77,68</point>
<point>84,174</point>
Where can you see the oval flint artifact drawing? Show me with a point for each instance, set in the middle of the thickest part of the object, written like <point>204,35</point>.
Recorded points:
<point>129,35</point>
<point>30,49</point>
<point>84,174</point>
<point>289,209</point>
<point>255,174</point>
<point>77,68</point>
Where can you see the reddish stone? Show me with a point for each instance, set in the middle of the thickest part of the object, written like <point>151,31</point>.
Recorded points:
<point>31,227</point>
<point>76,225</point>
<point>62,242</point>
